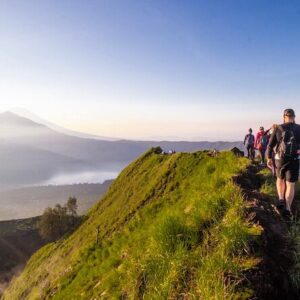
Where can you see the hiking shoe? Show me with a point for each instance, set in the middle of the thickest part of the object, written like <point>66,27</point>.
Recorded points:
<point>280,204</point>
<point>287,214</point>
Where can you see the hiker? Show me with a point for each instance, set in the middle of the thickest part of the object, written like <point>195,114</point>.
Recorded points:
<point>249,144</point>
<point>285,142</point>
<point>261,143</point>
<point>215,152</point>
<point>273,169</point>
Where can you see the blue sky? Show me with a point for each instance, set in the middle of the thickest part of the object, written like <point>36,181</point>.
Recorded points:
<point>139,69</point>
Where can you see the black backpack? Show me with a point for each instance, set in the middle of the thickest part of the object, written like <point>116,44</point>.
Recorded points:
<point>288,145</point>
<point>249,141</point>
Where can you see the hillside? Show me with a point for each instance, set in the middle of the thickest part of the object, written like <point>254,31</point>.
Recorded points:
<point>19,239</point>
<point>179,226</point>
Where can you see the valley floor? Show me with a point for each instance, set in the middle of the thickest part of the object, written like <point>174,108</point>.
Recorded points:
<point>28,202</point>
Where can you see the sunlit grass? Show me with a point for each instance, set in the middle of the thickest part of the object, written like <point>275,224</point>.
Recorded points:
<point>186,237</point>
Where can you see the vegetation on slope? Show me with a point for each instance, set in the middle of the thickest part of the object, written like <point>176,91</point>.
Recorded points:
<point>170,227</point>
<point>60,220</point>
<point>19,239</point>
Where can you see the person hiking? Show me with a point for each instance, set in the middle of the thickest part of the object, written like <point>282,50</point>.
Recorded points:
<point>273,168</point>
<point>249,144</point>
<point>261,143</point>
<point>285,142</point>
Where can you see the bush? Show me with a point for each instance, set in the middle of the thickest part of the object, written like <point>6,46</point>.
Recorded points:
<point>56,222</point>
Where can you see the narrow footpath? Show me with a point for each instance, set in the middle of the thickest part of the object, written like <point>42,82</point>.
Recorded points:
<point>271,279</point>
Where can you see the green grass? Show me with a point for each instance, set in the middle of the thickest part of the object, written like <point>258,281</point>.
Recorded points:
<point>171,227</point>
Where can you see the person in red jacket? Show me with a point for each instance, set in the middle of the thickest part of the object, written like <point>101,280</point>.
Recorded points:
<point>261,143</point>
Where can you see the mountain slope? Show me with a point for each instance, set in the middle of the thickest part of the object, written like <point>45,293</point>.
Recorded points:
<point>19,239</point>
<point>27,114</point>
<point>24,165</point>
<point>170,226</point>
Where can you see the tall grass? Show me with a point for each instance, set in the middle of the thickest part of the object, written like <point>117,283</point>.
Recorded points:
<point>172,227</point>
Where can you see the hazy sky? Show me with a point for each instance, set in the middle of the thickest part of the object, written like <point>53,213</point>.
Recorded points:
<point>190,69</point>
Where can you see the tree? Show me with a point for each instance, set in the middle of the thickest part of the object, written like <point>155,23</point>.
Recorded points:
<point>53,223</point>
<point>72,206</point>
<point>57,221</point>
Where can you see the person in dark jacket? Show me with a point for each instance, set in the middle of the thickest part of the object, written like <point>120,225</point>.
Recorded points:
<point>285,143</point>
<point>249,144</point>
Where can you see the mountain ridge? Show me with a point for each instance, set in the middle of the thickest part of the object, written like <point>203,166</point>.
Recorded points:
<point>35,120</point>
<point>157,219</point>
<point>10,117</point>
<point>27,114</point>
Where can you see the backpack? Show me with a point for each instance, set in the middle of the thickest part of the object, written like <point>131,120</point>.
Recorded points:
<point>249,139</point>
<point>288,146</point>
<point>263,143</point>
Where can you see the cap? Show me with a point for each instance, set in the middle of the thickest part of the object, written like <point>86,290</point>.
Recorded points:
<point>289,112</point>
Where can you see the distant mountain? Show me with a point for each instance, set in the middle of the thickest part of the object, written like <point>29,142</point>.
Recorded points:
<point>8,119</point>
<point>27,114</point>
<point>26,165</point>
<point>31,152</point>
<point>20,130</point>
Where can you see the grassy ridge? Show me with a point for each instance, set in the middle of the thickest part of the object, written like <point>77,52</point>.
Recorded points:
<point>171,226</point>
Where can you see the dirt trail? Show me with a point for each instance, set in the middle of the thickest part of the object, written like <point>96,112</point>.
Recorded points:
<point>270,279</point>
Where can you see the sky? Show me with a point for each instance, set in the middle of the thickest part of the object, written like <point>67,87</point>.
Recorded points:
<point>195,70</point>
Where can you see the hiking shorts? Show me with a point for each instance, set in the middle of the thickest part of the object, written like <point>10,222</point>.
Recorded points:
<point>288,170</point>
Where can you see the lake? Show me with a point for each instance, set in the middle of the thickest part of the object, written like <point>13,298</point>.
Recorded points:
<point>80,177</point>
